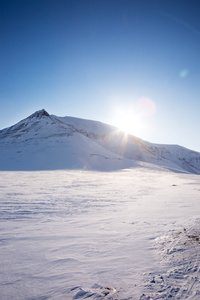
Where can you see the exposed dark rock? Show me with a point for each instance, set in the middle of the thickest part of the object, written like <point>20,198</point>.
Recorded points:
<point>39,114</point>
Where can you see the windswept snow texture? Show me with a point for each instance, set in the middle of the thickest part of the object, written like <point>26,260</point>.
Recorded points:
<point>180,253</point>
<point>129,234</point>
<point>48,142</point>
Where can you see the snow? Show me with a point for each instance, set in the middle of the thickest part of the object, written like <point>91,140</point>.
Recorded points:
<point>75,234</point>
<point>47,142</point>
<point>90,212</point>
<point>179,251</point>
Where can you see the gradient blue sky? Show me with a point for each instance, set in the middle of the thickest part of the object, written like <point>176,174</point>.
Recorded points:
<point>96,59</point>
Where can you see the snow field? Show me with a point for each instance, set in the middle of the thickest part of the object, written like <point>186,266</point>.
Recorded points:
<point>99,235</point>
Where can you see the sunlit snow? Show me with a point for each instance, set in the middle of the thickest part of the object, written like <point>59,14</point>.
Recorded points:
<point>130,234</point>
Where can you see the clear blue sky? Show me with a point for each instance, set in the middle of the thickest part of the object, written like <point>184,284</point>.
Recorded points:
<point>96,59</point>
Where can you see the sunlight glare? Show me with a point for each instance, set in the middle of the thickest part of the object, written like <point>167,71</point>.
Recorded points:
<point>132,120</point>
<point>128,121</point>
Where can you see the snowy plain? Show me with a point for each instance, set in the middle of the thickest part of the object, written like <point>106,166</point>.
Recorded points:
<point>128,234</point>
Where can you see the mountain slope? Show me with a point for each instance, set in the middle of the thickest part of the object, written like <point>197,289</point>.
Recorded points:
<point>48,142</point>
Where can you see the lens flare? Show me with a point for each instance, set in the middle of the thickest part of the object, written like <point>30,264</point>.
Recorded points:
<point>183,73</point>
<point>146,107</point>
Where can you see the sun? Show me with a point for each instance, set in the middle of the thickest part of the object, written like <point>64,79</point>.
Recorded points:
<point>128,121</point>
<point>134,119</point>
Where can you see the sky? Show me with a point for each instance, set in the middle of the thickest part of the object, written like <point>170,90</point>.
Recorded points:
<point>134,64</point>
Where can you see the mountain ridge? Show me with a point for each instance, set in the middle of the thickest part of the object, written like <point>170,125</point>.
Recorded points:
<point>43,141</point>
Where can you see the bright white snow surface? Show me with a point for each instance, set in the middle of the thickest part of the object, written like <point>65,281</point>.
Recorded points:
<point>44,142</point>
<point>129,234</point>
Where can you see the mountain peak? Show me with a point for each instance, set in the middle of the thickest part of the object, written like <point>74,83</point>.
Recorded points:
<point>39,114</point>
<point>44,142</point>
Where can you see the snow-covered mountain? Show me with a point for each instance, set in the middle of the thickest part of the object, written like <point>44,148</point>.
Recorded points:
<point>48,142</point>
